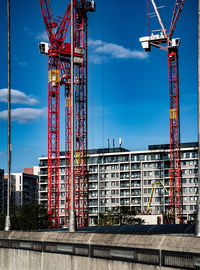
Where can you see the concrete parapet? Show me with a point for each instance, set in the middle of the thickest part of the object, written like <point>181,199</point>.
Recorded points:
<point>85,251</point>
<point>162,242</point>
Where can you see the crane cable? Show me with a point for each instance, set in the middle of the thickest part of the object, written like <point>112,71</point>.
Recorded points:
<point>102,61</point>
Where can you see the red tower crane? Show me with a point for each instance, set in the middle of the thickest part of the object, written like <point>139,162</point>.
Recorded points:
<point>59,53</point>
<point>171,46</point>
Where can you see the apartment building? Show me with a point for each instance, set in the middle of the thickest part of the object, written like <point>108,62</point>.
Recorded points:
<point>24,189</point>
<point>2,191</point>
<point>119,177</point>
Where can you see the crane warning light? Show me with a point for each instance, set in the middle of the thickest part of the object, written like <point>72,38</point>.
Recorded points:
<point>44,47</point>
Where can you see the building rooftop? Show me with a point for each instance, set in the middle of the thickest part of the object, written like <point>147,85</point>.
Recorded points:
<point>122,150</point>
<point>167,146</point>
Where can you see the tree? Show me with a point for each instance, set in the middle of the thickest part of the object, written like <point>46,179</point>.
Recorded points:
<point>27,217</point>
<point>2,220</point>
<point>123,215</point>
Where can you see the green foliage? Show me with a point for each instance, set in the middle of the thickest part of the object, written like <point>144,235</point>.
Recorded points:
<point>26,218</point>
<point>193,218</point>
<point>2,221</point>
<point>123,215</point>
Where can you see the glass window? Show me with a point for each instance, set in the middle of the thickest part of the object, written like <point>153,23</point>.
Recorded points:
<point>184,180</point>
<point>190,180</point>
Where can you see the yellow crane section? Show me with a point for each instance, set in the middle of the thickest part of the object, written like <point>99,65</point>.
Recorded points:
<point>156,182</point>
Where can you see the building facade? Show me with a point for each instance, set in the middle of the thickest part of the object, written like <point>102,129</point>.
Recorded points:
<point>119,177</point>
<point>24,189</point>
<point>2,191</point>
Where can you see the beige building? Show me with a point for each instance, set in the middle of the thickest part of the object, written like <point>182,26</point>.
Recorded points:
<point>119,177</point>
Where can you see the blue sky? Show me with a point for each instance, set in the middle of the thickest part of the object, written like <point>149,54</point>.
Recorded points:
<point>127,89</point>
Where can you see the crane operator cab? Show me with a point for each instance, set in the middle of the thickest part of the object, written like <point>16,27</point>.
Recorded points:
<point>44,47</point>
<point>90,6</point>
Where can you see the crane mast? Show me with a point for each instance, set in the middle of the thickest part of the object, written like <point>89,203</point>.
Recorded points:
<point>158,40</point>
<point>59,55</point>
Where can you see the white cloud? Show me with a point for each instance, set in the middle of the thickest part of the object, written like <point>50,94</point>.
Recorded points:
<point>1,154</point>
<point>22,63</point>
<point>112,51</point>
<point>27,31</point>
<point>23,115</point>
<point>42,36</point>
<point>17,97</point>
<point>94,43</point>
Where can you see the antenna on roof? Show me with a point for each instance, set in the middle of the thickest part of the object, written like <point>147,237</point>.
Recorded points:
<point>113,143</point>
<point>120,142</point>
<point>108,144</point>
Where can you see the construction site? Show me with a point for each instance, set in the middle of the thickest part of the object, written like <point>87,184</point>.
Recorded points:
<point>67,58</point>
<point>107,206</point>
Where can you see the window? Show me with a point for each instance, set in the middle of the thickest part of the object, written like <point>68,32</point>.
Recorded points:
<point>135,166</point>
<point>112,200</point>
<point>62,202</point>
<point>187,155</point>
<point>184,180</point>
<point>148,173</point>
<point>195,180</point>
<point>191,189</point>
<point>184,189</point>
<point>112,192</point>
<point>115,167</point>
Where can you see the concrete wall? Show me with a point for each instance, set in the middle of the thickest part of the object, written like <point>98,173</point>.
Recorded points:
<point>20,257</point>
<point>28,260</point>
